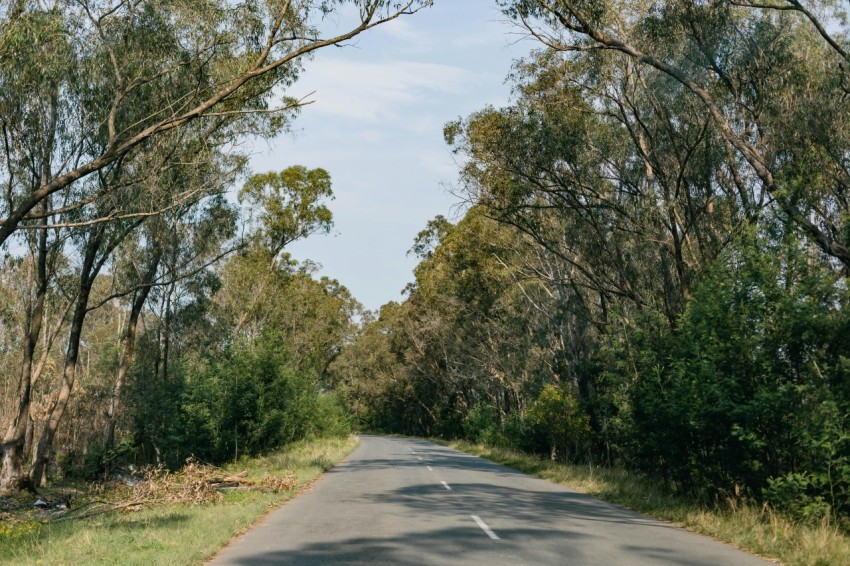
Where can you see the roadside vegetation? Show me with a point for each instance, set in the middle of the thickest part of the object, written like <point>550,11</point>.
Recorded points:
<point>169,533</point>
<point>752,527</point>
<point>145,315</point>
<point>650,274</point>
<point>652,270</point>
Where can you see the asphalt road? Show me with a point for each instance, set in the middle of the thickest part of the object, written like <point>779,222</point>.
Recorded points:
<point>398,501</point>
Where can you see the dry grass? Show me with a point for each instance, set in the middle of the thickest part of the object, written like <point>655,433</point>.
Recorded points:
<point>194,484</point>
<point>188,525</point>
<point>756,529</point>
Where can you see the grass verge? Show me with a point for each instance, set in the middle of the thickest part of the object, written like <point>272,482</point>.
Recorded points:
<point>758,530</point>
<point>173,534</point>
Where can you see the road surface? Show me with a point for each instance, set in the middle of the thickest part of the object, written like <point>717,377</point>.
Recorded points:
<point>400,501</point>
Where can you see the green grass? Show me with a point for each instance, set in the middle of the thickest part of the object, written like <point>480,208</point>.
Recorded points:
<point>174,534</point>
<point>756,529</point>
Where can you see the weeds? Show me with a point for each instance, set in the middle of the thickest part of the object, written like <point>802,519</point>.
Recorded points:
<point>755,528</point>
<point>188,524</point>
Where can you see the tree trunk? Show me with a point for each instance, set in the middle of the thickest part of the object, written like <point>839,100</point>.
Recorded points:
<point>92,264</point>
<point>39,367</point>
<point>15,439</point>
<point>128,349</point>
<point>88,273</point>
<point>165,345</point>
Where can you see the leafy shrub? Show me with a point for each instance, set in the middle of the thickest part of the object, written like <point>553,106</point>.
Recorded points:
<point>481,425</point>
<point>797,495</point>
<point>556,412</point>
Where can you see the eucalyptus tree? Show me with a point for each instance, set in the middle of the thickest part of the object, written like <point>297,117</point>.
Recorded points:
<point>464,340</point>
<point>627,185</point>
<point>173,248</point>
<point>151,183</point>
<point>131,71</point>
<point>96,244</point>
<point>617,177</point>
<point>289,204</point>
<point>281,208</point>
<point>769,75</point>
<point>315,318</point>
<point>35,56</point>
<point>119,89</point>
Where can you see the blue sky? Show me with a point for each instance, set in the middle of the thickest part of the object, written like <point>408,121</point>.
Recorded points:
<point>376,125</point>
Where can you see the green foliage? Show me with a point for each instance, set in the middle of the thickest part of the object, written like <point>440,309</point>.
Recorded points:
<point>749,394</point>
<point>251,400</point>
<point>100,460</point>
<point>556,413</point>
<point>248,400</point>
<point>289,205</point>
<point>227,372</point>
<point>481,425</point>
<point>798,494</point>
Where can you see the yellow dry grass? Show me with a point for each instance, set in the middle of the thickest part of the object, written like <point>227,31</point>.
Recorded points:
<point>754,528</point>
<point>189,525</point>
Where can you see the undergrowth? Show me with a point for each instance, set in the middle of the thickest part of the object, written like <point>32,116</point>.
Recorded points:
<point>172,533</point>
<point>755,528</point>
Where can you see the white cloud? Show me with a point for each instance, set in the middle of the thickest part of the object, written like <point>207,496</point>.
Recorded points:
<point>403,30</point>
<point>378,91</point>
<point>439,162</point>
<point>376,125</point>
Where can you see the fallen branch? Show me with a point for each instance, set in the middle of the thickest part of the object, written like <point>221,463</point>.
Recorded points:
<point>194,484</point>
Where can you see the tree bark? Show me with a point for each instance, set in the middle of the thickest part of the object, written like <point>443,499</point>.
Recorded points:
<point>15,438</point>
<point>128,348</point>
<point>88,273</point>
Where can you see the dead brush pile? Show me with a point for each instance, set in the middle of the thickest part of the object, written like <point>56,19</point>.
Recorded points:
<point>194,484</point>
<point>198,483</point>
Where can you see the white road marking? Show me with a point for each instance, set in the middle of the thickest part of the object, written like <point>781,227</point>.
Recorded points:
<point>484,527</point>
<point>430,469</point>
<point>445,485</point>
<point>420,458</point>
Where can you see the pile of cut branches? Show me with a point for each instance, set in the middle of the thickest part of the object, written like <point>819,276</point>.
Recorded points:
<point>194,484</point>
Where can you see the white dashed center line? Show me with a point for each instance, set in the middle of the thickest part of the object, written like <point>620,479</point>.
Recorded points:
<point>445,485</point>
<point>484,527</point>
<point>430,469</point>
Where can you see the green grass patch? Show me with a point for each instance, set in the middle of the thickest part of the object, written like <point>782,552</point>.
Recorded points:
<point>173,534</point>
<point>756,529</point>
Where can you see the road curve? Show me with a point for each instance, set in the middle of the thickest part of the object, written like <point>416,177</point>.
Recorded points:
<point>400,501</point>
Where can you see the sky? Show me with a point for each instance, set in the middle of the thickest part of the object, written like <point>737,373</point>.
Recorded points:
<point>375,124</point>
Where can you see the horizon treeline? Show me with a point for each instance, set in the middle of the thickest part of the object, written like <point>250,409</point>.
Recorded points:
<point>652,269</point>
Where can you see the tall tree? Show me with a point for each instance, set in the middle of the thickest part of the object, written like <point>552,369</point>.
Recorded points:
<point>146,67</point>
<point>721,59</point>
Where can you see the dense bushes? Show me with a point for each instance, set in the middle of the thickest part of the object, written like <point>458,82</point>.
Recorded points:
<point>253,400</point>
<point>747,395</point>
<point>226,373</point>
<point>246,401</point>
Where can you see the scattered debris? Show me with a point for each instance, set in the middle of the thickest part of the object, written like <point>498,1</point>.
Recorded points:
<point>194,484</point>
